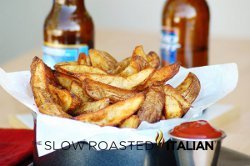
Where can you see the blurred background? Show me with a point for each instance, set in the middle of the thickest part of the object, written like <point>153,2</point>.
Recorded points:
<point>22,21</point>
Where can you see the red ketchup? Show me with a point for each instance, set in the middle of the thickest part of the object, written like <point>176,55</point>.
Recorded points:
<point>196,130</point>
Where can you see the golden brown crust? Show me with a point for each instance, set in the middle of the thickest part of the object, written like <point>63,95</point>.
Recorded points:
<point>78,69</point>
<point>98,90</point>
<point>83,59</point>
<point>132,122</point>
<point>151,109</point>
<point>153,60</point>
<point>162,75</point>
<point>128,83</point>
<point>190,87</point>
<point>114,114</point>
<point>102,60</point>
<point>89,107</point>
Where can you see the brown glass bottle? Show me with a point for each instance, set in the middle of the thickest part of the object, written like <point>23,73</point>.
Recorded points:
<point>68,31</point>
<point>185,32</point>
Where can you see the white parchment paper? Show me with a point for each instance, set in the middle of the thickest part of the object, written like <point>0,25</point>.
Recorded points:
<point>216,82</point>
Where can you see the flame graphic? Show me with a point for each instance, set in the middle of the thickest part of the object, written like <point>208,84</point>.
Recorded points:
<point>159,139</point>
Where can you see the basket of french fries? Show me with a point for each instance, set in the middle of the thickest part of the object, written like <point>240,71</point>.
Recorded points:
<point>99,99</point>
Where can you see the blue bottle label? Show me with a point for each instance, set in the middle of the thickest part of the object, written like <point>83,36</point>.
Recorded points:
<point>169,46</point>
<point>55,53</point>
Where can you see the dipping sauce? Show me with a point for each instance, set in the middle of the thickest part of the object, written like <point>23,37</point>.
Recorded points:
<point>196,130</point>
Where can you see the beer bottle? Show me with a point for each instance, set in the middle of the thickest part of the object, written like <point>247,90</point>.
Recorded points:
<point>68,31</point>
<point>185,32</point>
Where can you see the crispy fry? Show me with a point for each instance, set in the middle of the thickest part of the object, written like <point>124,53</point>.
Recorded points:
<point>87,87</point>
<point>169,90</point>
<point>89,107</point>
<point>73,85</point>
<point>139,51</point>
<point>172,109</point>
<point>41,96</point>
<point>114,114</point>
<point>122,65</point>
<point>75,69</point>
<point>102,60</point>
<point>190,88</point>
<point>64,98</point>
<point>79,91</point>
<point>137,64</point>
<point>65,80</point>
<point>66,63</point>
<point>162,75</point>
<point>128,83</point>
<point>83,59</point>
<point>98,90</point>
<point>151,109</point>
<point>132,122</point>
<point>39,81</point>
<point>53,110</point>
<point>153,60</point>
<point>39,85</point>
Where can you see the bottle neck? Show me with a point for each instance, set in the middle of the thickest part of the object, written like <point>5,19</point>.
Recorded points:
<point>77,3</point>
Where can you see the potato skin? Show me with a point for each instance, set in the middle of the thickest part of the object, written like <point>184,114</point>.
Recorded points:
<point>190,88</point>
<point>151,109</point>
<point>114,114</point>
<point>132,122</point>
<point>98,91</point>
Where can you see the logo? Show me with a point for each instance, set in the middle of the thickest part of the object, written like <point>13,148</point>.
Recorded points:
<point>159,139</point>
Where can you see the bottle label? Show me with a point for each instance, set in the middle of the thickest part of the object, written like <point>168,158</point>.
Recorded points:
<point>169,46</point>
<point>55,53</point>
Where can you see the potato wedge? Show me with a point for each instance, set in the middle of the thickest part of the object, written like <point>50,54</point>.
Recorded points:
<point>139,51</point>
<point>73,85</point>
<point>41,96</point>
<point>79,91</point>
<point>169,90</point>
<point>89,107</point>
<point>151,109</point>
<point>39,81</point>
<point>102,60</point>
<point>98,90</point>
<point>190,88</point>
<point>53,110</point>
<point>66,63</point>
<point>65,80</point>
<point>161,75</point>
<point>137,64</point>
<point>114,114</point>
<point>40,75</point>
<point>128,83</point>
<point>173,108</point>
<point>153,60</point>
<point>64,98</point>
<point>78,69</point>
<point>83,59</point>
<point>122,65</point>
<point>132,122</point>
